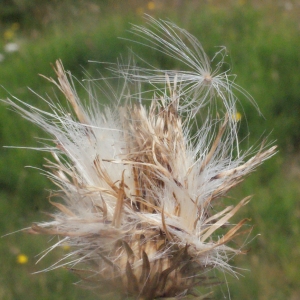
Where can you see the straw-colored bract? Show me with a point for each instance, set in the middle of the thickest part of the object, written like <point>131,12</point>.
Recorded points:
<point>139,193</point>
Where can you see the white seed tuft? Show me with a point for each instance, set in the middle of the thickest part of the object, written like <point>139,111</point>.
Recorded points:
<point>138,191</point>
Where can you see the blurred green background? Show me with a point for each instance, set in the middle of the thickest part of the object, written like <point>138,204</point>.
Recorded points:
<point>263,43</point>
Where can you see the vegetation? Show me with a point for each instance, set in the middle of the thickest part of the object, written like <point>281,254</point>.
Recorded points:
<point>262,40</point>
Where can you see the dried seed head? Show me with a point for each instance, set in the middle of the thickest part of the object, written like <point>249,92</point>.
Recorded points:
<point>138,192</point>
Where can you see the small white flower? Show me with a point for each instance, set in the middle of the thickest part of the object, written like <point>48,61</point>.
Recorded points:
<point>11,47</point>
<point>139,193</point>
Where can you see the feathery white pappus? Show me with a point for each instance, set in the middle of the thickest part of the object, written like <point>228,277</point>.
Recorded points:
<point>139,193</point>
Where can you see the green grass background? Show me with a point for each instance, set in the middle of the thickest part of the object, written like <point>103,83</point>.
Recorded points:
<point>263,42</point>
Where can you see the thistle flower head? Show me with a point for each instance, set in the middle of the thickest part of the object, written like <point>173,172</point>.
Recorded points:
<point>138,191</point>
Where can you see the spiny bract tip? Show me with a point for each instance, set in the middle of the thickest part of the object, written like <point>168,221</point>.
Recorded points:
<point>138,192</point>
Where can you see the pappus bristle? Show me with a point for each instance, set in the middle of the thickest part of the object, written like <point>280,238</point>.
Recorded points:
<point>138,192</point>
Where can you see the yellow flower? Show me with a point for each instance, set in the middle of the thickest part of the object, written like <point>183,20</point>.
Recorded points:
<point>237,117</point>
<point>8,34</point>
<point>66,247</point>
<point>139,11</point>
<point>15,26</point>
<point>22,259</point>
<point>151,5</point>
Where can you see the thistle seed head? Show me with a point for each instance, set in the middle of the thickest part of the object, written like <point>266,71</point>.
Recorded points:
<point>138,191</point>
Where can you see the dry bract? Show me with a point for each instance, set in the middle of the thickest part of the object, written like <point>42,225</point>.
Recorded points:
<point>139,192</point>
